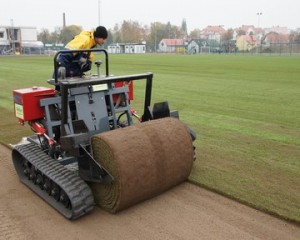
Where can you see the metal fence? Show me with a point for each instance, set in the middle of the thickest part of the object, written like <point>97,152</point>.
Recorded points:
<point>270,49</point>
<point>282,48</point>
<point>231,48</point>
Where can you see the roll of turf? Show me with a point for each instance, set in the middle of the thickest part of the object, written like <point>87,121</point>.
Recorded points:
<point>145,160</point>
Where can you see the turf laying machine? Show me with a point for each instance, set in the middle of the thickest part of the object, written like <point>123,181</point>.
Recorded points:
<point>91,147</point>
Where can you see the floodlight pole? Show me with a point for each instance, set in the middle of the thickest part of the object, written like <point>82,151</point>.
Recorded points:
<point>258,14</point>
<point>12,33</point>
<point>99,3</point>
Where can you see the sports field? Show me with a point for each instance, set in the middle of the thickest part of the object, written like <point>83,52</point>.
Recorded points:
<point>245,110</point>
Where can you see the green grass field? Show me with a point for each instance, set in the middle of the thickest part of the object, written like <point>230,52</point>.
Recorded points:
<point>245,110</point>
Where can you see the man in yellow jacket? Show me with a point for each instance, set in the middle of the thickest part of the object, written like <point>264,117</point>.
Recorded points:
<point>75,64</point>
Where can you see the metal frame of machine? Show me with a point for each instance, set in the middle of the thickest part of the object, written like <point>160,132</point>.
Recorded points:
<point>64,124</point>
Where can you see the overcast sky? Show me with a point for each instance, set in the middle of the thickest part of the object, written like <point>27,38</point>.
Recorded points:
<point>198,14</point>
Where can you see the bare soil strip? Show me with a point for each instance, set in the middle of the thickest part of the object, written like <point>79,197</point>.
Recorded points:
<point>184,212</point>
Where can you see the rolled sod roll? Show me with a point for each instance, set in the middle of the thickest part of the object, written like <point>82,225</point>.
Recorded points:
<point>144,159</point>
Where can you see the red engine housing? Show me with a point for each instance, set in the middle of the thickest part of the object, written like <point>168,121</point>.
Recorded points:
<point>26,102</point>
<point>130,89</point>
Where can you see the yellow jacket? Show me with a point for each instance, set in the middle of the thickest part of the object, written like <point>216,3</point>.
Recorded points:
<point>84,40</point>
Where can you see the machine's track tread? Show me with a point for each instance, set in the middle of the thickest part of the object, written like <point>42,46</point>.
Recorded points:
<point>78,192</point>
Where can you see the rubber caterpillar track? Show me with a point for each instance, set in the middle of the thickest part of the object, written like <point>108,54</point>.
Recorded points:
<point>58,186</point>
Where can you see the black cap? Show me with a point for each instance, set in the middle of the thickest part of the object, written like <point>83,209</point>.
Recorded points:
<point>100,32</point>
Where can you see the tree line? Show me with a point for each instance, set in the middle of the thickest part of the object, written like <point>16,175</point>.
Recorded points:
<point>134,32</point>
<point>125,32</point>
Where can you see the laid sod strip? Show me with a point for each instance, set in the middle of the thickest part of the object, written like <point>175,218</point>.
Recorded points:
<point>145,160</point>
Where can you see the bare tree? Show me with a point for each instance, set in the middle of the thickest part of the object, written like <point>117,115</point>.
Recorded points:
<point>131,32</point>
<point>68,33</point>
<point>195,34</point>
<point>44,36</point>
<point>294,37</point>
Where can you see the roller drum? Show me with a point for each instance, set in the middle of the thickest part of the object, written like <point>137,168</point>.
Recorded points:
<point>145,160</point>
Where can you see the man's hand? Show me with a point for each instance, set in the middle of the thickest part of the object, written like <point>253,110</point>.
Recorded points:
<point>87,66</point>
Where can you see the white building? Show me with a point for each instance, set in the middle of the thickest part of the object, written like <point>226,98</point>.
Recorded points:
<point>168,45</point>
<point>19,39</point>
<point>131,48</point>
